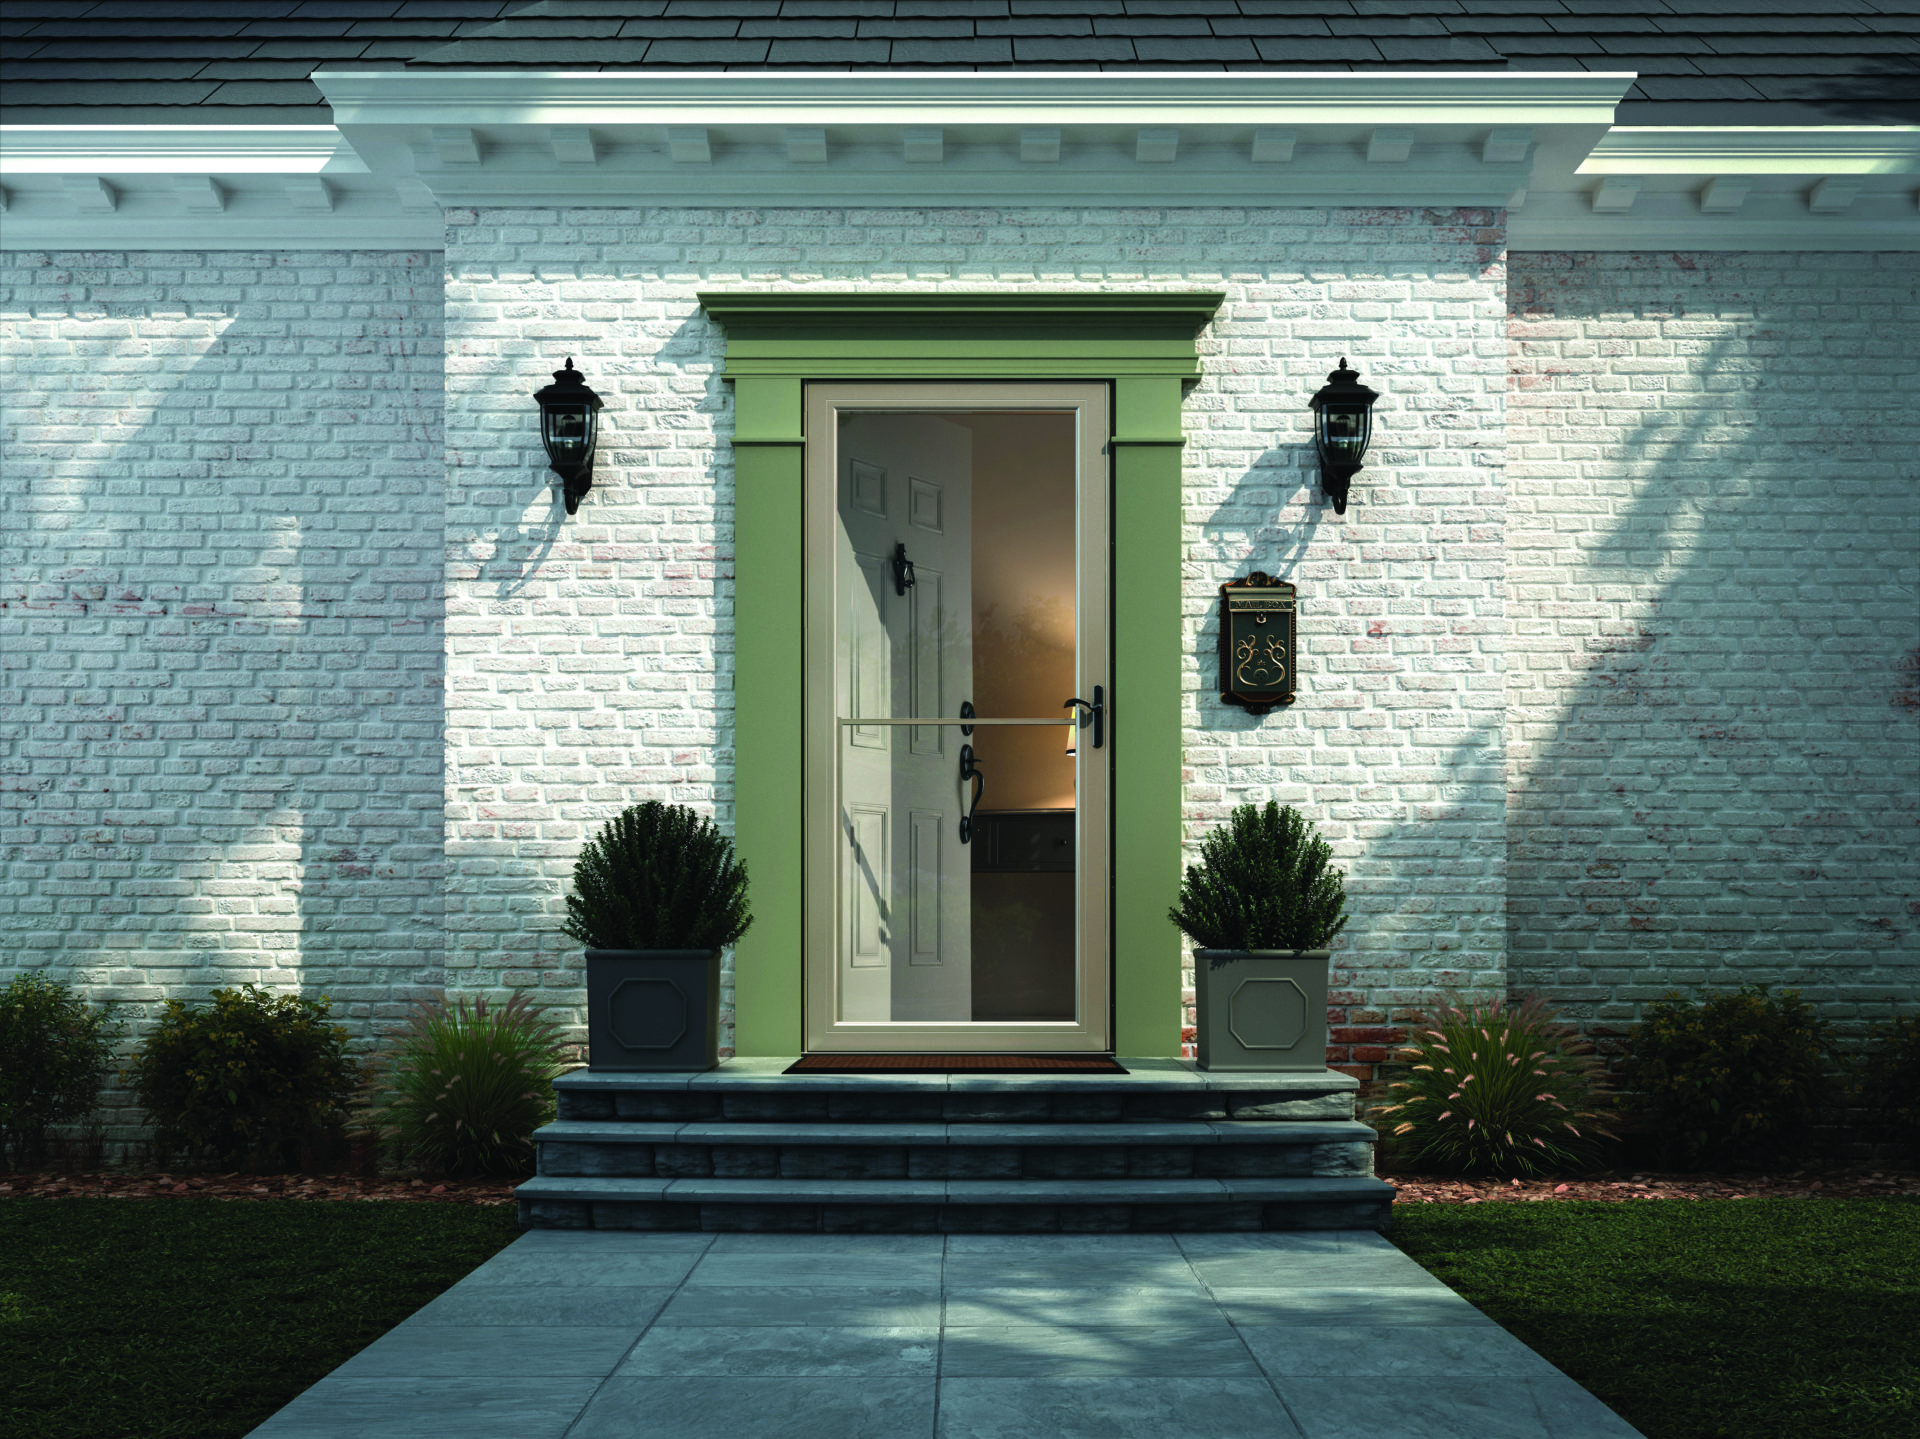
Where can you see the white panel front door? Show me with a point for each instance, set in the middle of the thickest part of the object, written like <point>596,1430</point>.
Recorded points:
<point>905,652</point>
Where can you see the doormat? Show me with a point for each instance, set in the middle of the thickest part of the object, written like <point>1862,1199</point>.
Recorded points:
<point>955,1064</point>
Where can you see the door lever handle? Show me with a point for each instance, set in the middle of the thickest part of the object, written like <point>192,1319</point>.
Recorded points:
<point>1092,712</point>
<point>970,771</point>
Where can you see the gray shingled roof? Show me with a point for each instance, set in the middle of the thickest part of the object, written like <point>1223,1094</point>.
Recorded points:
<point>1700,61</point>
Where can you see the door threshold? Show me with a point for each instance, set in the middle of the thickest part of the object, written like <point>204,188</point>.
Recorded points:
<point>955,1064</point>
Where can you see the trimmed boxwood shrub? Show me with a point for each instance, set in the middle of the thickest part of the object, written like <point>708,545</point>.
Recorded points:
<point>1265,881</point>
<point>250,1079</point>
<point>658,876</point>
<point>55,1052</point>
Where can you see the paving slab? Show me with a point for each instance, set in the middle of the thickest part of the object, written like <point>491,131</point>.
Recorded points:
<point>564,1306</point>
<point>1060,1351</point>
<point>1115,1408</point>
<point>453,1351</point>
<point>340,1408</point>
<point>728,1305</point>
<point>1476,1408</point>
<point>732,1406</point>
<point>782,1350</point>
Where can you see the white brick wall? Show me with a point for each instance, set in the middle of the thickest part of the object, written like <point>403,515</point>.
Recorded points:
<point>588,657</point>
<point>1713,549</point>
<point>220,617</point>
<point>221,718</point>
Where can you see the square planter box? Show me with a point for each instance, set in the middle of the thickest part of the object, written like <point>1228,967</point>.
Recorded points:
<point>1261,1009</point>
<point>653,1009</point>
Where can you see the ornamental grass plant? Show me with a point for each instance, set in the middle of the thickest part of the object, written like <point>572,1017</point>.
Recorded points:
<point>465,1087</point>
<point>1495,1088</point>
<point>658,876</point>
<point>56,1051</point>
<point>1265,881</point>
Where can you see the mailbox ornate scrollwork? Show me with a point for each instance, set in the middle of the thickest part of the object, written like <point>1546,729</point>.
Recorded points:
<point>1257,648</point>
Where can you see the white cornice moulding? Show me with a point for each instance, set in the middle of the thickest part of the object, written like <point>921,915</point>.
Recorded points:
<point>969,97</point>
<point>176,149</point>
<point>1756,150</point>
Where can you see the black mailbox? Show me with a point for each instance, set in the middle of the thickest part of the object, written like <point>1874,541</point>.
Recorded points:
<point>1257,651</point>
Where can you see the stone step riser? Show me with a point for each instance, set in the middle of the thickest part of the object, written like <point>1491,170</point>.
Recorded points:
<point>681,1107</point>
<point>1098,1161</point>
<point>951,1218</point>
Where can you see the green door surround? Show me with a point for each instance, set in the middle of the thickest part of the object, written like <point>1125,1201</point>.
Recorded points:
<point>1143,344</point>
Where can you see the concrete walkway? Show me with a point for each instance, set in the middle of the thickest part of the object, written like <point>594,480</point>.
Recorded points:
<point>592,1335</point>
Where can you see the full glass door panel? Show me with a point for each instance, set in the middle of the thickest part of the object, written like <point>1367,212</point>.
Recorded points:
<point>957,871</point>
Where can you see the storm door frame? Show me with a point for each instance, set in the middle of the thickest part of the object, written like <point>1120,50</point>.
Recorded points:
<point>1091,1029</point>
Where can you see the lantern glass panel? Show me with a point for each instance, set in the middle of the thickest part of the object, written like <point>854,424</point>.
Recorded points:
<point>1343,433</point>
<point>569,434</point>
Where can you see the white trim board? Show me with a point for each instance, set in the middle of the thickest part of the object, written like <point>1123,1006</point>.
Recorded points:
<point>409,143</point>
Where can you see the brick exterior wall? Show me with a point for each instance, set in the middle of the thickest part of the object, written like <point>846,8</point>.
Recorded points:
<point>1712,555</point>
<point>220,624</point>
<point>588,661</point>
<point>1641,525</point>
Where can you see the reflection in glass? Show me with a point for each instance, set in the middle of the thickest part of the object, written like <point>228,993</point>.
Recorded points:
<point>955,581</point>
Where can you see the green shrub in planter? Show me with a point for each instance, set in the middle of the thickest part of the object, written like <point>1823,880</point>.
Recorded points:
<point>657,877</point>
<point>1495,1089</point>
<point>464,1088</point>
<point>55,1053</point>
<point>1264,882</point>
<point>1734,1080</point>
<point>250,1079</point>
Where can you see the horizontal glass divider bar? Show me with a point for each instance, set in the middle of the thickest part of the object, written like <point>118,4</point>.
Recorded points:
<point>854,722</point>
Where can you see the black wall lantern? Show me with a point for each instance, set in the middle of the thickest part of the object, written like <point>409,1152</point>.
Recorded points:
<point>1342,424</point>
<point>568,419</point>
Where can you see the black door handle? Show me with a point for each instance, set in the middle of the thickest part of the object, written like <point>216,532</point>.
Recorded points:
<point>970,771</point>
<point>1092,712</point>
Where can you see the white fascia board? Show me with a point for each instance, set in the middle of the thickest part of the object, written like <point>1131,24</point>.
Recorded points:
<point>1756,150</point>
<point>969,97</point>
<point>175,149</point>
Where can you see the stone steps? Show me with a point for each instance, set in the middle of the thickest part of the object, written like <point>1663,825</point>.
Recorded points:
<point>1163,1147</point>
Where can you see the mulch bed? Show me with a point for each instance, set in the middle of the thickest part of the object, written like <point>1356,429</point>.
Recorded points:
<point>1414,1189</point>
<point>1619,1187</point>
<point>256,1186</point>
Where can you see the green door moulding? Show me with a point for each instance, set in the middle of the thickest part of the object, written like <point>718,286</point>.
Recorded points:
<point>1141,343</point>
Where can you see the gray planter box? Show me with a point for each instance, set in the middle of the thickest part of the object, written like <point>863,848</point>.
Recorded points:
<point>653,1009</point>
<point>1261,1008</point>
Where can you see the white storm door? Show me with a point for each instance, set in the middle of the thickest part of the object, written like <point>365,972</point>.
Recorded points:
<point>904,575</point>
<point>957,553</point>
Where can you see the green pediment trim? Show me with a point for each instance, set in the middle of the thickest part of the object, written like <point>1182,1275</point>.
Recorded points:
<point>1014,335</point>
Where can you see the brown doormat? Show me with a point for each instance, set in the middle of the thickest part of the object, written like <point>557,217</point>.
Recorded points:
<point>955,1064</point>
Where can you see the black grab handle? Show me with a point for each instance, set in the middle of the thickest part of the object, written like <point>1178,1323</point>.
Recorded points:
<point>970,771</point>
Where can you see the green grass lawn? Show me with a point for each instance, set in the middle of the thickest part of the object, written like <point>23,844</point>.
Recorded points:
<point>189,1319</point>
<point>1749,1319</point>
